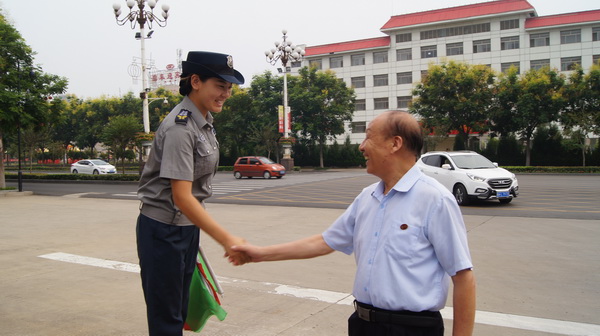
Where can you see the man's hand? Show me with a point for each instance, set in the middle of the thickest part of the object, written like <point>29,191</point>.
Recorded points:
<point>236,257</point>
<point>252,253</point>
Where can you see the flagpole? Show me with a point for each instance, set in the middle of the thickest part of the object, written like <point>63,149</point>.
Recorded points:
<point>210,270</point>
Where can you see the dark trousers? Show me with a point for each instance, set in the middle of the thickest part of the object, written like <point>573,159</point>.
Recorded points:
<point>360,327</point>
<point>167,256</point>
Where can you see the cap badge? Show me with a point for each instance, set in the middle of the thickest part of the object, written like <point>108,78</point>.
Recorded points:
<point>230,61</point>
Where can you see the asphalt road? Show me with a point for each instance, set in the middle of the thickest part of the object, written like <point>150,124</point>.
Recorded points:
<point>541,196</point>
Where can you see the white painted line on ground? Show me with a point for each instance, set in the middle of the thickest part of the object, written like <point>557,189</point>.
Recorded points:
<point>482,317</point>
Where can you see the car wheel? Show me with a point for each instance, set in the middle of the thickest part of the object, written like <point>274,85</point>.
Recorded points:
<point>460,193</point>
<point>74,171</point>
<point>96,172</point>
<point>505,200</point>
<point>267,175</point>
<point>237,175</point>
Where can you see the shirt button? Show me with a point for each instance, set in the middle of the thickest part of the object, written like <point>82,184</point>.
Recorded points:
<point>370,261</point>
<point>376,234</point>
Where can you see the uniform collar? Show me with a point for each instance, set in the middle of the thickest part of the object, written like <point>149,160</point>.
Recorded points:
<point>196,115</point>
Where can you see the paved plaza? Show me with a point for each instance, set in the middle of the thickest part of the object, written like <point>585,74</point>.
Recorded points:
<point>69,267</point>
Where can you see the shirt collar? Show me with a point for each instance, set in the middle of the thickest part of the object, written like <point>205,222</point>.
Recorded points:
<point>197,116</point>
<point>403,185</point>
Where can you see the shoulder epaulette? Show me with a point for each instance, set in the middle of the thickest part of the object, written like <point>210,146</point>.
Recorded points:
<point>182,117</point>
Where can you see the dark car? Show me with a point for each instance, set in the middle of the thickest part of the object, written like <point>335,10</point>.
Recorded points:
<point>251,166</point>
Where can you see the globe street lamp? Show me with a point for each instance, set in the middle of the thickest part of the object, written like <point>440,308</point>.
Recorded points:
<point>285,52</point>
<point>142,17</point>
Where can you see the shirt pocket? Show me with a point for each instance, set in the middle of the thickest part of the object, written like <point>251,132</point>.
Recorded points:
<point>205,159</point>
<point>401,240</point>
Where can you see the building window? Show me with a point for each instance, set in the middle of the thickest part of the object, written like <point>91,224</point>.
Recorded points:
<point>358,59</point>
<point>480,46</point>
<point>595,33</point>
<point>428,51</point>
<point>380,80</point>
<point>406,37</point>
<point>596,59</point>
<point>360,105</point>
<point>424,74</point>
<point>569,63</point>
<point>538,64</point>
<point>511,42</point>
<point>403,54</point>
<point>357,82</point>
<point>296,64</point>
<point>505,66</point>
<point>539,40</point>
<point>336,62</point>
<point>404,102</point>
<point>359,127</point>
<point>380,57</point>
<point>509,24</point>
<point>455,31</point>
<point>570,36</point>
<point>404,78</point>
<point>381,103</point>
<point>454,49</point>
<point>316,64</point>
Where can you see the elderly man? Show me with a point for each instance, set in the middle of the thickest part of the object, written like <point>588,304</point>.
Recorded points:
<point>408,238</point>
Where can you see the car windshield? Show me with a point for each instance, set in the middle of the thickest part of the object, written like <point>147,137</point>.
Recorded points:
<point>266,160</point>
<point>472,162</point>
<point>99,162</point>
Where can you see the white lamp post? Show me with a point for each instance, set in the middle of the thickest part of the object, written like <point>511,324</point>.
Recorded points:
<point>285,52</point>
<point>142,16</point>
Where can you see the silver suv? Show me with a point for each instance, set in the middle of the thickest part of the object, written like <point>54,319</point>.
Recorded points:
<point>469,176</point>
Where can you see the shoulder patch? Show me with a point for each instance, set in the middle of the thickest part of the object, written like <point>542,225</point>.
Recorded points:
<point>182,117</point>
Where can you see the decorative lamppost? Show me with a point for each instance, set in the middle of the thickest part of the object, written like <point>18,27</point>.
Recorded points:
<point>143,17</point>
<point>285,52</point>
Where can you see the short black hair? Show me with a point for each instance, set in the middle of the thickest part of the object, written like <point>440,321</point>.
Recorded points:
<point>185,83</point>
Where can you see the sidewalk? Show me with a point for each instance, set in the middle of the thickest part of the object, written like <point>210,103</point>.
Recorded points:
<point>540,277</point>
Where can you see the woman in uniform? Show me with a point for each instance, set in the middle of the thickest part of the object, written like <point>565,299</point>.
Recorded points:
<point>174,184</point>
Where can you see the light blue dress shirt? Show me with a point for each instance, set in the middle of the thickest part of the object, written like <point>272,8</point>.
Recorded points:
<point>406,244</point>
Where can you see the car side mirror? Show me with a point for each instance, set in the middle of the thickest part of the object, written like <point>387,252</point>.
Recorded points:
<point>257,163</point>
<point>495,164</point>
<point>446,166</point>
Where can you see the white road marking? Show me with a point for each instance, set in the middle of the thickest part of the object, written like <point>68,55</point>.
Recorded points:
<point>482,317</point>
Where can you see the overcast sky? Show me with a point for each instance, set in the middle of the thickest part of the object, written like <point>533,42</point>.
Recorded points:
<point>81,41</point>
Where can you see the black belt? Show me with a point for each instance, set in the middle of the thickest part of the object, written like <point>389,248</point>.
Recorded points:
<point>408,318</point>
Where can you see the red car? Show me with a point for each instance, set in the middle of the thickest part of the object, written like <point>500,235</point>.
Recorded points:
<point>251,166</point>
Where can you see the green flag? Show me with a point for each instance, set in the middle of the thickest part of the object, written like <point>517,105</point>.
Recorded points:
<point>204,300</point>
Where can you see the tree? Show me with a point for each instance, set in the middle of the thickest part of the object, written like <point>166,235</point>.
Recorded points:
<point>581,115</point>
<point>23,87</point>
<point>321,104</point>
<point>528,101</point>
<point>455,96</point>
<point>120,134</point>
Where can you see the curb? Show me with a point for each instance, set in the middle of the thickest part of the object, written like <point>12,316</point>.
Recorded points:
<point>14,193</point>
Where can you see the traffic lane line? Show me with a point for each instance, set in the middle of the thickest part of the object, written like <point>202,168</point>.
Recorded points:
<point>482,317</point>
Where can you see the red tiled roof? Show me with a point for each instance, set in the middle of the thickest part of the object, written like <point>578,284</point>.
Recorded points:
<point>562,19</point>
<point>461,12</point>
<point>350,45</point>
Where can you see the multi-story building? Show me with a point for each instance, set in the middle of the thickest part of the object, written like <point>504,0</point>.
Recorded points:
<point>499,33</point>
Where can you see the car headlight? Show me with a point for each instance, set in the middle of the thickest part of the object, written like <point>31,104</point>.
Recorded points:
<point>476,178</point>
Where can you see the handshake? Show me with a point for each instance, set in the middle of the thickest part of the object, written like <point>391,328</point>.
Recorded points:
<point>239,252</point>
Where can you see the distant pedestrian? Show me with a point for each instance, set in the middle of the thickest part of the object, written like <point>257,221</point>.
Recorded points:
<point>174,184</point>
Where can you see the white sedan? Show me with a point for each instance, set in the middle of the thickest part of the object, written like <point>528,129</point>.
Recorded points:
<point>94,167</point>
